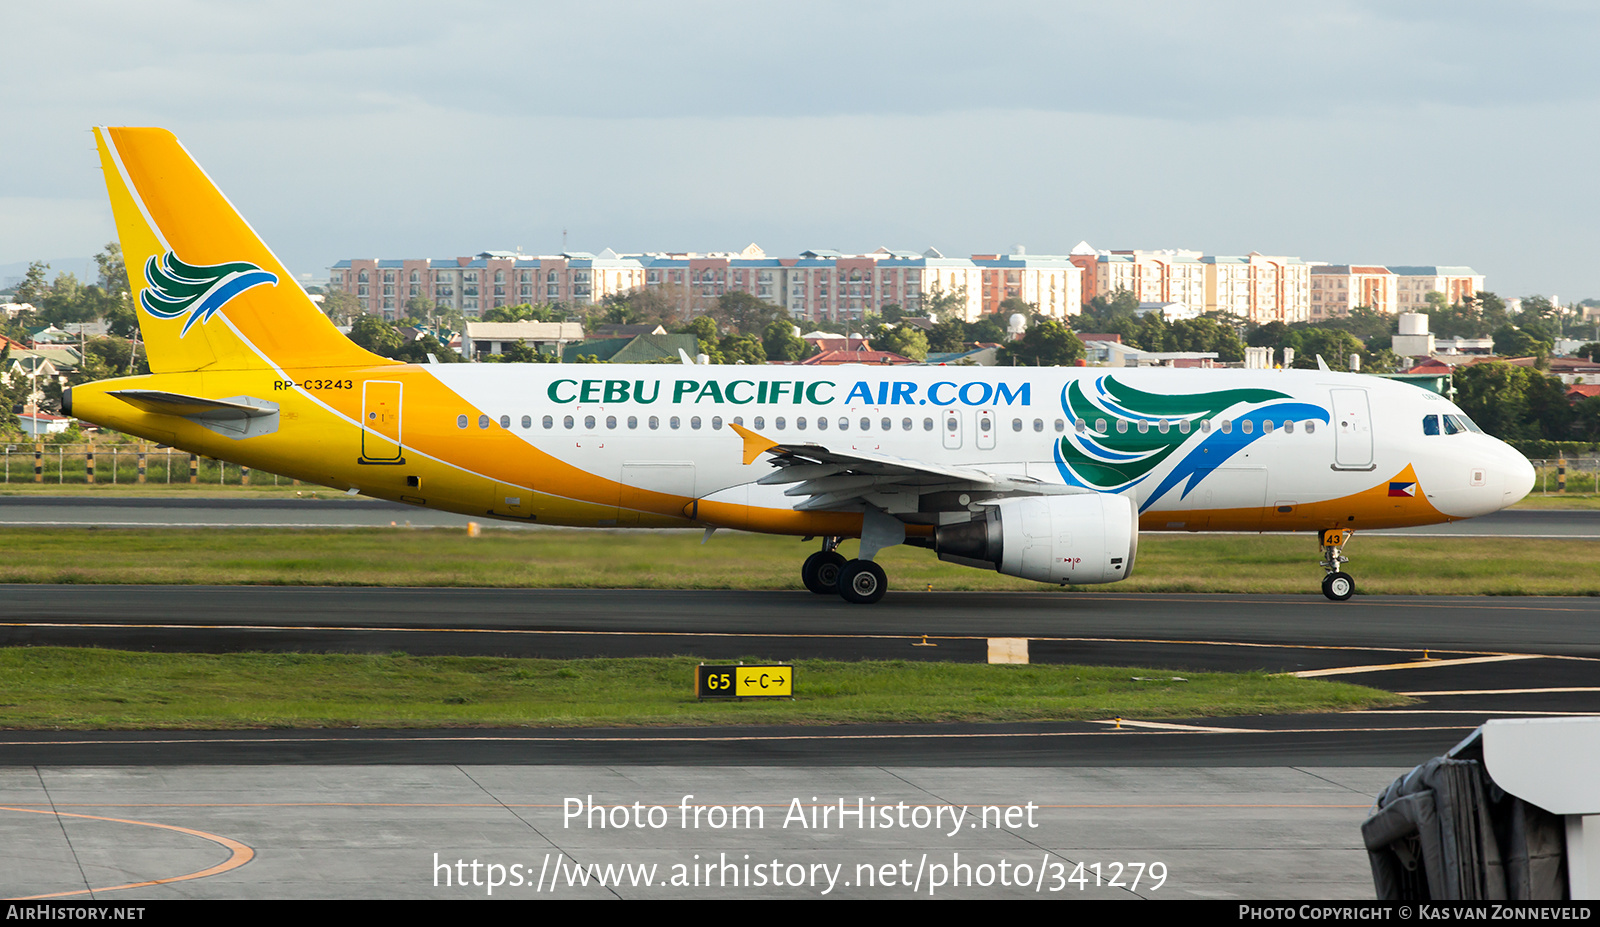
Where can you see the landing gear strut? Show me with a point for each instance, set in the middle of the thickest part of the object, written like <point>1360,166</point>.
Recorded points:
<point>1337,585</point>
<point>820,572</point>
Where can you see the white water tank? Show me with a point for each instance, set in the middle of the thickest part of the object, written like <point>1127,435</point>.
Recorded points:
<point>1413,323</point>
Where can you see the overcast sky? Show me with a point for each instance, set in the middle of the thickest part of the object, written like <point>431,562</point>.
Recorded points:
<point>1415,133</point>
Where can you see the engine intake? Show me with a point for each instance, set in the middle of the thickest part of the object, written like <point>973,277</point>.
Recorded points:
<point>1079,539</point>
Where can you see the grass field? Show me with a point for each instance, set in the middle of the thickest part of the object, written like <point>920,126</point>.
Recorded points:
<point>574,558</point>
<point>69,688</point>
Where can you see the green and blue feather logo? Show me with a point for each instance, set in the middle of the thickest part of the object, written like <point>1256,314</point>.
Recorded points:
<point>176,289</point>
<point>1159,427</point>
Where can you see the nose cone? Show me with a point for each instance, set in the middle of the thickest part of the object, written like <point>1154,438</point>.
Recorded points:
<point>1519,475</point>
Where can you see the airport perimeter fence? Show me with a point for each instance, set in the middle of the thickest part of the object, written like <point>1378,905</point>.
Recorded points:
<point>1569,474</point>
<point>123,464</point>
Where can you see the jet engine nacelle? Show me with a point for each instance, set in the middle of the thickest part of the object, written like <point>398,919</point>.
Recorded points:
<point>1079,539</point>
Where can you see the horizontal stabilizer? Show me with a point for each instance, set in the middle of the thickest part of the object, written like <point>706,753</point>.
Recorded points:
<point>162,403</point>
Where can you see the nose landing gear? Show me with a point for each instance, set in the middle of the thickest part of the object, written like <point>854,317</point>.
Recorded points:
<point>1337,585</point>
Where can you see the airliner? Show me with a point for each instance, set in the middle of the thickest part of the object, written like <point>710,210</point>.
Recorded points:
<point>1046,473</point>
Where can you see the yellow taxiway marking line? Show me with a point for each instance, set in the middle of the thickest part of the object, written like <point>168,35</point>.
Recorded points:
<point>239,854</point>
<point>1164,726</point>
<point>1418,664</point>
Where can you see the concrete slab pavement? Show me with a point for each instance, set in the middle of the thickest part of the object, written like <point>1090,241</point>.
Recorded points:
<point>310,832</point>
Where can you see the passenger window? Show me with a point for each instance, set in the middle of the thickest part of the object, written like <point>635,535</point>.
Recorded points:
<point>1061,426</point>
<point>588,423</point>
<point>611,421</point>
<point>716,423</point>
<point>1038,425</point>
<point>780,423</point>
<point>905,424</point>
<point>694,422</point>
<point>654,423</point>
<point>483,421</point>
<point>1288,427</point>
<point>1100,425</point>
<point>567,421</point>
<point>549,422</point>
<point>1311,427</point>
<point>1016,424</point>
<point>505,421</point>
<point>1080,426</point>
<point>1122,426</point>
<point>800,423</point>
<point>1227,426</point>
<point>527,421</point>
<point>633,422</point>
<point>1162,426</point>
<point>674,423</point>
<point>1183,426</point>
<point>927,424</point>
<point>1205,426</point>
<point>1247,426</point>
<point>844,423</point>
<point>822,423</point>
<point>461,421</point>
<point>1144,427</point>
<point>760,422</point>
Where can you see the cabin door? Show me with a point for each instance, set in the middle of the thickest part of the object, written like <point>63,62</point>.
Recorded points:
<point>1352,430</point>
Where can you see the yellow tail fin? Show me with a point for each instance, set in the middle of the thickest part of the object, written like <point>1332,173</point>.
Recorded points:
<point>209,293</point>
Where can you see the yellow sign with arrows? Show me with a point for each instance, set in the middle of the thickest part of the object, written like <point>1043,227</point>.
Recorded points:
<point>773,680</point>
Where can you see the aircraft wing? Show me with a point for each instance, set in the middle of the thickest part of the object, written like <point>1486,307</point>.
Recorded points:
<point>831,478</point>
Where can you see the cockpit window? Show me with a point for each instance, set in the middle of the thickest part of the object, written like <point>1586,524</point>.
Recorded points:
<point>1430,424</point>
<point>1453,425</point>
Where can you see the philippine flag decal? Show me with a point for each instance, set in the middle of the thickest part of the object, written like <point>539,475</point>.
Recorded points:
<point>1403,489</point>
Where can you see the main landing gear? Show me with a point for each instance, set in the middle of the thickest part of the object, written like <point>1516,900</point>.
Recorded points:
<point>826,572</point>
<point>1337,585</point>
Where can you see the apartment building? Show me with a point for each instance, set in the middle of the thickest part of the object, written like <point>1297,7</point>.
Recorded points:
<point>1051,282</point>
<point>1258,287</point>
<point>1152,276</point>
<point>1338,288</point>
<point>476,284</point>
<point>830,285</point>
<point>1414,283</point>
<point>818,285</point>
